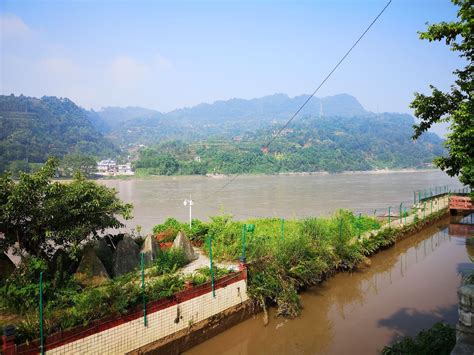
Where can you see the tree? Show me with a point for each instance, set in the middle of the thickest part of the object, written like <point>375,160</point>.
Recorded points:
<point>38,215</point>
<point>77,162</point>
<point>455,106</point>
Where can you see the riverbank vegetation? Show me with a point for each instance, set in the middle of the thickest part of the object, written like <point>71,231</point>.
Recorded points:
<point>312,144</point>
<point>439,339</point>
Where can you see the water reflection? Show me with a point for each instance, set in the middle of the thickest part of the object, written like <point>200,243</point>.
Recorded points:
<point>407,288</point>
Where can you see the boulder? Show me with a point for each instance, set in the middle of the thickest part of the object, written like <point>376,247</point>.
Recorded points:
<point>91,271</point>
<point>104,253</point>
<point>126,256</point>
<point>6,266</point>
<point>150,249</point>
<point>182,242</point>
<point>61,266</point>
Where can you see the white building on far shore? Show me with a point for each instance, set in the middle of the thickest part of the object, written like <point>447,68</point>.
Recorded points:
<point>110,167</point>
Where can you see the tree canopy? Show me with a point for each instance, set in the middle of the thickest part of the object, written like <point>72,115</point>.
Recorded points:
<point>38,215</point>
<point>455,106</point>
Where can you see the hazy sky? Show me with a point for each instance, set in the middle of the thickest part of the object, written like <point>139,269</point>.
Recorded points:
<point>170,54</point>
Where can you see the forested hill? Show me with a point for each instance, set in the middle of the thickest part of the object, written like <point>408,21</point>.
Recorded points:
<point>132,125</point>
<point>312,144</point>
<point>32,129</point>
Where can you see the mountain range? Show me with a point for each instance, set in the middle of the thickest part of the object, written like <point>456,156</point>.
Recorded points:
<point>32,129</point>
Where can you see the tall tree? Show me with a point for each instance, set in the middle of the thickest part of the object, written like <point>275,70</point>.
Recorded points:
<point>455,106</point>
<point>38,215</point>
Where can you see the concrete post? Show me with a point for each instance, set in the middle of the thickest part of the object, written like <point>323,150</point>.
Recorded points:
<point>465,326</point>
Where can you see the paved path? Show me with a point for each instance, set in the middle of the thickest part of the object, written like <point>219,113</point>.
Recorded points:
<point>423,210</point>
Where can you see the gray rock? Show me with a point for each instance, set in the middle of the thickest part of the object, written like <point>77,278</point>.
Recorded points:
<point>6,266</point>
<point>91,271</point>
<point>126,256</point>
<point>182,242</point>
<point>150,249</point>
<point>104,253</point>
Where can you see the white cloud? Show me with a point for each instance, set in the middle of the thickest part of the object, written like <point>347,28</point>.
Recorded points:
<point>59,67</point>
<point>13,27</point>
<point>127,73</point>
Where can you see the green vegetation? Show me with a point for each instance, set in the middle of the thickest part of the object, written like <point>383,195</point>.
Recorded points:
<point>313,144</point>
<point>440,340</point>
<point>38,215</point>
<point>32,129</point>
<point>456,106</point>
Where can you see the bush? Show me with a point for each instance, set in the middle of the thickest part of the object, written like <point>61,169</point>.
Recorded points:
<point>168,261</point>
<point>440,340</point>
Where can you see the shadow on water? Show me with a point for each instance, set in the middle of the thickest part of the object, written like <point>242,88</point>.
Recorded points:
<point>407,321</point>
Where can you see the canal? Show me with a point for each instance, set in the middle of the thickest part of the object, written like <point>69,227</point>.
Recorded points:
<point>407,288</point>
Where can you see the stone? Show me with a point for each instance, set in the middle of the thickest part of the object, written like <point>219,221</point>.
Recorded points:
<point>91,271</point>
<point>182,242</point>
<point>61,266</point>
<point>150,249</point>
<point>104,253</point>
<point>6,266</point>
<point>126,256</point>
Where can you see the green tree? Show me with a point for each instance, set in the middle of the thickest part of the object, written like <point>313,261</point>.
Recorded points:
<point>455,106</point>
<point>76,162</point>
<point>38,215</point>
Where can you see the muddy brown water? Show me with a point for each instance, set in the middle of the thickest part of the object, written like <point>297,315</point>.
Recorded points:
<point>407,288</point>
<point>157,198</point>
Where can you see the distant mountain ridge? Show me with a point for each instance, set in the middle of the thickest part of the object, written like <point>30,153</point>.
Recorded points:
<point>226,118</point>
<point>32,129</point>
<point>325,135</point>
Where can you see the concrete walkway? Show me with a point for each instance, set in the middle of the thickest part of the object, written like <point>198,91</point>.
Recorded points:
<point>203,261</point>
<point>423,210</point>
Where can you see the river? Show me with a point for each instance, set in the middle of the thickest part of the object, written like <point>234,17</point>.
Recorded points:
<point>407,288</point>
<point>286,196</point>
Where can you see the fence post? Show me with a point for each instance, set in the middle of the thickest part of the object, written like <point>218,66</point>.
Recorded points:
<point>414,197</point>
<point>340,229</point>
<point>400,213</point>
<point>142,265</point>
<point>424,210</point>
<point>405,215</point>
<point>211,267</point>
<point>41,313</point>
<point>244,242</point>
<point>389,217</point>
<point>431,207</point>
<point>282,228</point>
<point>358,226</point>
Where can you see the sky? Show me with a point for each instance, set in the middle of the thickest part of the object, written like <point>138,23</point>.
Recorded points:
<point>171,54</point>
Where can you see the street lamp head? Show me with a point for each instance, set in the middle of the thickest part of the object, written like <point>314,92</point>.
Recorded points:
<point>185,202</point>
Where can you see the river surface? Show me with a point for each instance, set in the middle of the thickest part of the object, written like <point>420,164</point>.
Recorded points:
<point>155,199</point>
<point>407,288</point>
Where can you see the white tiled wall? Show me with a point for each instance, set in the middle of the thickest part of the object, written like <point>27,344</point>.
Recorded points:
<point>132,335</point>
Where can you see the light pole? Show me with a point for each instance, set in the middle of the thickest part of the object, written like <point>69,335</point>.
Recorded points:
<point>190,203</point>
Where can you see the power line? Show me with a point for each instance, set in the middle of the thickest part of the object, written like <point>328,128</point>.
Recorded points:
<point>329,75</point>
<point>314,92</point>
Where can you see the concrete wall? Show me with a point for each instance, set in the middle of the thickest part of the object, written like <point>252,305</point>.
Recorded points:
<point>128,333</point>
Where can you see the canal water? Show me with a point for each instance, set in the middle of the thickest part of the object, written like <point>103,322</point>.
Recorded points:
<point>157,198</point>
<point>407,288</point>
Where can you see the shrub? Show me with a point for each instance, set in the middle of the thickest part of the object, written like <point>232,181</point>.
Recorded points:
<point>440,339</point>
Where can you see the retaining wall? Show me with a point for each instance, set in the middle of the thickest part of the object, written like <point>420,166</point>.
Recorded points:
<point>119,335</point>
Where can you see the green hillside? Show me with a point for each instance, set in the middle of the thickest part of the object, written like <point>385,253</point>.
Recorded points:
<point>312,144</point>
<point>32,129</point>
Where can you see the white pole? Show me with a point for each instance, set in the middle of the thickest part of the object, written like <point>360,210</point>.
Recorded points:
<point>190,212</point>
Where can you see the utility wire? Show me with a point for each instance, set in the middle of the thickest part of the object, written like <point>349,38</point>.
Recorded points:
<point>329,75</point>
<point>314,92</point>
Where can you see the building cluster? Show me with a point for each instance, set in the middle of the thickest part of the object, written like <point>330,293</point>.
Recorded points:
<point>110,167</point>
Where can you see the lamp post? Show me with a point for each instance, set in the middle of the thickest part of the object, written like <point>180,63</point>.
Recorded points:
<point>190,203</point>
